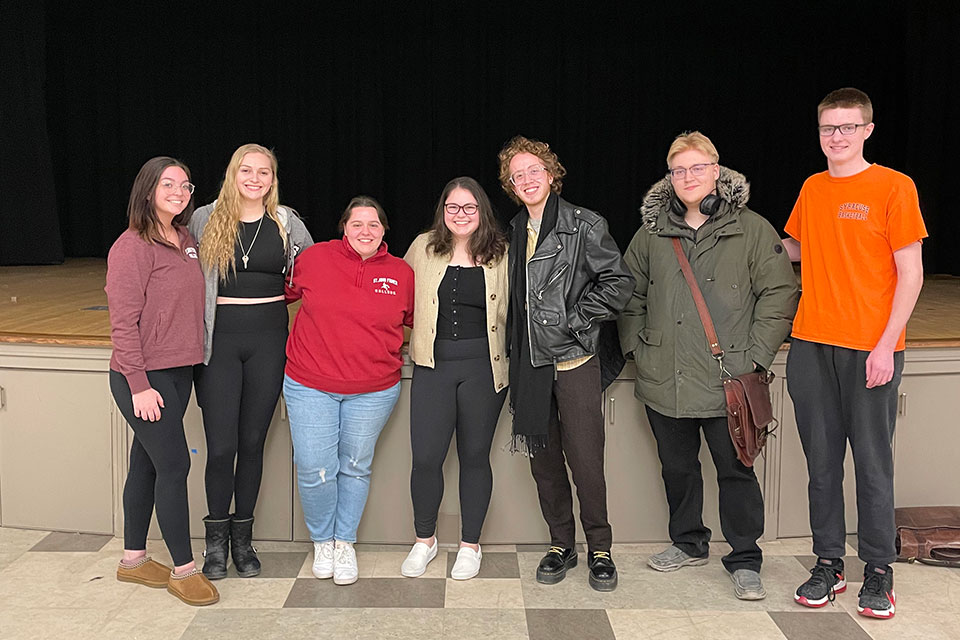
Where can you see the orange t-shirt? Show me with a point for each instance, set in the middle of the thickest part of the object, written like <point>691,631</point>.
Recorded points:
<point>848,229</point>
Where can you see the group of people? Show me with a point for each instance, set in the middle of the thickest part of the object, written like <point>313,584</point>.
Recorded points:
<point>550,309</point>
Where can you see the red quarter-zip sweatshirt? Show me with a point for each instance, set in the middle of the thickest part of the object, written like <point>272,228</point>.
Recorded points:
<point>348,332</point>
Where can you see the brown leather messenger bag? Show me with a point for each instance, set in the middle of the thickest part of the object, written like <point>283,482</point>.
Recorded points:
<point>749,411</point>
<point>928,534</point>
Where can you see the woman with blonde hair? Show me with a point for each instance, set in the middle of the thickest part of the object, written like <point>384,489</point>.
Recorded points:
<point>248,244</point>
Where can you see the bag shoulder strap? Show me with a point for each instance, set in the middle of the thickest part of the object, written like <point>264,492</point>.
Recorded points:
<point>698,300</point>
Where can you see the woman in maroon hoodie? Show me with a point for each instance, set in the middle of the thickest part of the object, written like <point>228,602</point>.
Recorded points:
<point>343,376</point>
<point>155,294</point>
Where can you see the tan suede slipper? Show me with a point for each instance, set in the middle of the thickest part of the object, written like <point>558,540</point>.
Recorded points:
<point>144,571</point>
<point>193,588</point>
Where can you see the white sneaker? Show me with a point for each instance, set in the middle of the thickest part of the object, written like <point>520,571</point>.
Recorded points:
<point>467,564</point>
<point>344,563</point>
<point>323,559</point>
<point>418,559</point>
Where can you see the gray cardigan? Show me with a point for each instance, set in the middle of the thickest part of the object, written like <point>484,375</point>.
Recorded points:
<point>298,239</point>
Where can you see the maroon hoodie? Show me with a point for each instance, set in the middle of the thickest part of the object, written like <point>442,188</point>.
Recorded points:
<point>155,295</point>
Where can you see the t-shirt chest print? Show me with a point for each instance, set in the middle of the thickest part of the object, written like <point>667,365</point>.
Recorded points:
<point>853,211</point>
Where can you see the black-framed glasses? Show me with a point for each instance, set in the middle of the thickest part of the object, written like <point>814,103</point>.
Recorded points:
<point>847,129</point>
<point>697,170</point>
<point>534,173</point>
<point>170,186</point>
<point>452,208</point>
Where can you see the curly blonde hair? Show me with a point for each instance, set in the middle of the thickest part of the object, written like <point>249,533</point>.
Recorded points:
<point>218,242</point>
<point>520,144</point>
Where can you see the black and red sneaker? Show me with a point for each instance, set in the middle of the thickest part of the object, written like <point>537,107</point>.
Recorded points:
<point>877,599</point>
<point>826,581</point>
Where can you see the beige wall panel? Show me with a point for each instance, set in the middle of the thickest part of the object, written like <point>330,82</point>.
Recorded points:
<point>927,446</point>
<point>56,451</point>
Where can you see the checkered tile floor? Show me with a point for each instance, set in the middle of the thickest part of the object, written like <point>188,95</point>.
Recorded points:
<point>55,585</point>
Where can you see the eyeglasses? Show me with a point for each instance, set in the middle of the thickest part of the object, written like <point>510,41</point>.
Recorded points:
<point>696,170</point>
<point>170,186</point>
<point>848,129</point>
<point>534,173</point>
<point>452,208</point>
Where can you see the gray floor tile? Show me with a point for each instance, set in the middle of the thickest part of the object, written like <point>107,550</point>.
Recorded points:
<point>303,624</point>
<point>493,565</point>
<point>852,567</point>
<point>368,592</point>
<point>58,541</point>
<point>561,624</point>
<point>823,625</point>
<point>275,564</point>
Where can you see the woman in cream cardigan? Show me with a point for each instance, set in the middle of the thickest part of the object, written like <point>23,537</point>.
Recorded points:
<point>460,378</point>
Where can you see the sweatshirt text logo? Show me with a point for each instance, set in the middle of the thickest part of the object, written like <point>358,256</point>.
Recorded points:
<point>853,211</point>
<point>191,252</point>
<point>383,286</point>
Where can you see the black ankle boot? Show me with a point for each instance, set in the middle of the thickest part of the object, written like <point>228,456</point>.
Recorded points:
<point>245,559</point>
<point>217,539</point>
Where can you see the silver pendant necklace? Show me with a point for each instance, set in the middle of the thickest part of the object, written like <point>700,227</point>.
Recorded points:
<point>246,254</point>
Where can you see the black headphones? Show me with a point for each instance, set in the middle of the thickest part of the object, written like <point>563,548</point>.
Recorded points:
<point>708,206</point>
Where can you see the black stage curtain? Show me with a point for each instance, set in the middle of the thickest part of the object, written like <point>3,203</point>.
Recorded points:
<point>394,99</point>
<point>29,228</point>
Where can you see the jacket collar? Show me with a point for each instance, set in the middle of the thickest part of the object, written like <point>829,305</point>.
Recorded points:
<point>565,218</point>
<point>732,187</point>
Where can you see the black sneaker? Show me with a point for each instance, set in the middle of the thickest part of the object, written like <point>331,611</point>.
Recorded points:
<point>877,598</point>
<point>826,580</point>
<point>603,573</point>
<point>553,567</point>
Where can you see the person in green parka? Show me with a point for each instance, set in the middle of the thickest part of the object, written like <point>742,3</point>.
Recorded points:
<point>751,292</point>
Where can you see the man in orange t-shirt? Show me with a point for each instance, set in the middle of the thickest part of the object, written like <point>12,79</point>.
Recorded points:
<point>857,230</point>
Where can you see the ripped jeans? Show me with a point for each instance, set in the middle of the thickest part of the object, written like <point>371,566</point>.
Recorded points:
<point>334,437</point>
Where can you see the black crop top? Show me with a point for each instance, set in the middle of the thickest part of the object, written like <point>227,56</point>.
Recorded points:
<point>462,310</point>
<point>262,277</point>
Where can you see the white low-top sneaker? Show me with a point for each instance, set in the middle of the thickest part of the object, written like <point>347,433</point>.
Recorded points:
<point>467,564</point>
<point>344,563</point>
<point>323,559</point>
<point>419,557</point>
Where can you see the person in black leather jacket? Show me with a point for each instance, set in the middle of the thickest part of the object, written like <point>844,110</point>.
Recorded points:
<point>567,282</point>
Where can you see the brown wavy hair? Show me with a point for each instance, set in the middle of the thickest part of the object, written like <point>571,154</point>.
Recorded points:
<point>519,144</point>
<point>141,210</point>
<point>487,244</point>
<point>219,238</point>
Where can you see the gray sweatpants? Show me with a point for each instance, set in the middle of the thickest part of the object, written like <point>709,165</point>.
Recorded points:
<point>833,405</point>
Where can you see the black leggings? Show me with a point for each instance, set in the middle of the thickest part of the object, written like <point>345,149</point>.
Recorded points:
<point>159,464</point>
<point>238,393</point>
<point>456,395</point>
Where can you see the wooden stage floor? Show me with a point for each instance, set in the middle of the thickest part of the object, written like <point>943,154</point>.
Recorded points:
<point>66,304</point>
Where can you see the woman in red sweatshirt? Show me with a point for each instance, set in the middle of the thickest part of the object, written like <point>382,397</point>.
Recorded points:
<point>343,376</point>
<point>155,295</point>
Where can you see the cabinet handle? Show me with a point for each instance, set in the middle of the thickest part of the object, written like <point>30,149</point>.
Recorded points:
<point>3,398</point>
<point>283,409</point>
<point>902,405</point>
<point>613,410</point>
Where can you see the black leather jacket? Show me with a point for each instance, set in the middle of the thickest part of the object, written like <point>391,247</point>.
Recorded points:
<point>575,281</point>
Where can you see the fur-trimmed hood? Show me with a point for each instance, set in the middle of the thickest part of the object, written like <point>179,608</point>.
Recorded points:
<point>732,187</point>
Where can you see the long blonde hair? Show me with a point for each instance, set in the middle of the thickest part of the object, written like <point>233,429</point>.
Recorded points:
<point>218,242</point>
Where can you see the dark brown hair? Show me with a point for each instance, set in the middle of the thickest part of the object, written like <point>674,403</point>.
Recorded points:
<point>487,244</point>
<point>847,98</point>
<point>519,144</point>
<point>141,211</point>
<point>363,201</point>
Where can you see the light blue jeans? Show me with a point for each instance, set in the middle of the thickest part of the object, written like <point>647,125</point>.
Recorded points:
<point>334,437</point>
